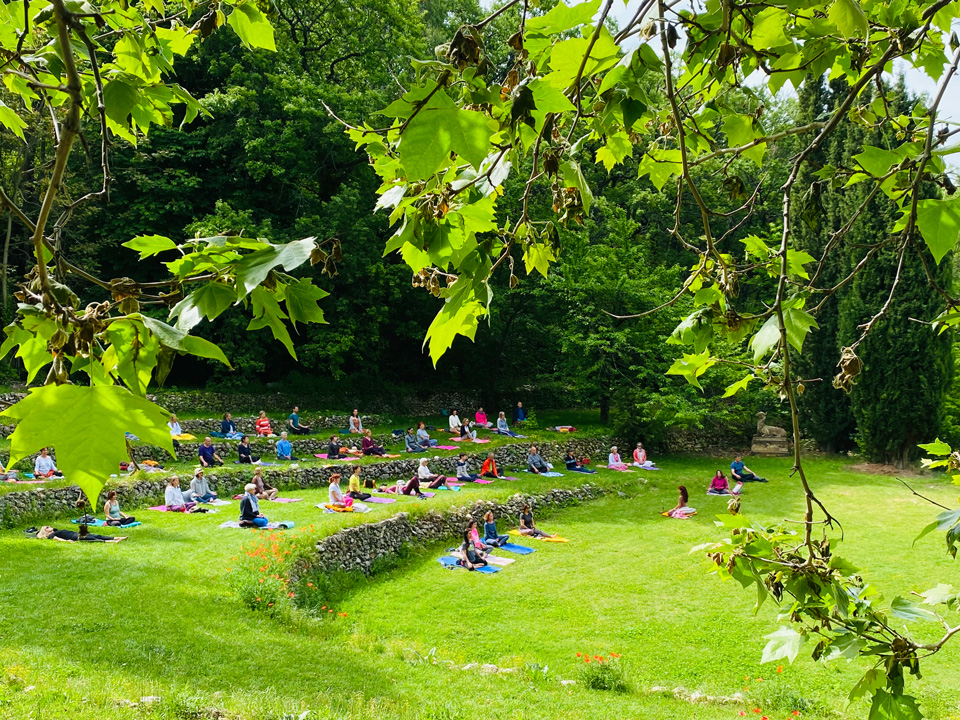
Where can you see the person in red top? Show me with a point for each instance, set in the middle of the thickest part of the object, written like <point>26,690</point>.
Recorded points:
<point>489,469</point>
<point>263,425</point>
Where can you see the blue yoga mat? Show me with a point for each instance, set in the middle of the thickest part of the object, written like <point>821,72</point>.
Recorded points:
<point>450,562</point>
<point>518,549</point>
<point>102,523</point>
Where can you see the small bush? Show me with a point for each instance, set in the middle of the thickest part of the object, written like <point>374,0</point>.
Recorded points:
<point>599,672</point>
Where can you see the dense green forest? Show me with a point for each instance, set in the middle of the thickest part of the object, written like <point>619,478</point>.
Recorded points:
<point>270,160</point>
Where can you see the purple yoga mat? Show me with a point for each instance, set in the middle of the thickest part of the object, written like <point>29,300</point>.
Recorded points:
<point>379,500</point>
<point>286,500</point>
<point>428,494</point>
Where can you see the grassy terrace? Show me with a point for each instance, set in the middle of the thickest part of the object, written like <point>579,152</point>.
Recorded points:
<point>586,422</point>
<point>161,615</point>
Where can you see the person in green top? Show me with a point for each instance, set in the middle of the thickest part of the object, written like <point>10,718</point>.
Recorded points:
<point>293,423</point>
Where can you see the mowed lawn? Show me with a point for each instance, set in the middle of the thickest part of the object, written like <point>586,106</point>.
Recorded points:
<point>86,630</point>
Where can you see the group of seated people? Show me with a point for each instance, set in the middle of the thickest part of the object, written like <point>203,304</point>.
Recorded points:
<point>474,549</point>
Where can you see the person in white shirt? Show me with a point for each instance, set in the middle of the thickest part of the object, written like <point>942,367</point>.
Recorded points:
<point>455,423</point>
<point>335,495</point>
<point>175,499</point>
<point>428,478</point>
<point>44,466</point>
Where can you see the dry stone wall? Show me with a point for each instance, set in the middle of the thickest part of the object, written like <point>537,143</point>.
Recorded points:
<point>48,503</point>
<point>357,548</point>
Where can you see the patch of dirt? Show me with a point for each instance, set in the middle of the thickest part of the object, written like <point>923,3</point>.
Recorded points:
<point>880,469</point>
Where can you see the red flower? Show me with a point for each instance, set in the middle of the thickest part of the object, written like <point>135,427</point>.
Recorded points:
<point>615,655</point>
<point>258,599</point>
<point>579,655</point>
<point>342,614</point>
<point>598,658</point>
<point>741,713</point>
<point>795,713</point>
<point>757,710</point>
<point>329,611</point>
<point>309,584</point>
<point>779,668</point>
<point>586,658</point>
<point>290,594</point>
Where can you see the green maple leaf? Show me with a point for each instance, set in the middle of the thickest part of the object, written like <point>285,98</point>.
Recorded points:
<point>86,426</point>
<point>301,299</point>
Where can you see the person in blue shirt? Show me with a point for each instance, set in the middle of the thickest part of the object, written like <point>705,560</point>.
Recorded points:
<point>741,473</point>
<point>294,425</point>
<point>519,414</point>
<point>208,454</point>
<point>284,448</point>
<point>228,428</point>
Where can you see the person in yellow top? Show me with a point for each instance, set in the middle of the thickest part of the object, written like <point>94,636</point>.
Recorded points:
<point>353,489</point>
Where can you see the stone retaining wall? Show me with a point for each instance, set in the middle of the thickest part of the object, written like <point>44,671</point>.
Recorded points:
<point>16,507</point>
<point>245,423</point>
<point>358,547</point>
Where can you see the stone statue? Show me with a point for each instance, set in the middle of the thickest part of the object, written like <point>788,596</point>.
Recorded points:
<point>768,431</point>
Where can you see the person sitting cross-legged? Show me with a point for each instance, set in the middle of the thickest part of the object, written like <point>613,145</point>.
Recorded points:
<point>535,463</point>
<point>200,488</point>
<point>250,515</point>
<point>246,453</point>
<point>503,428</point>
<point>455,424</point>
<point>228,428</point>
<point>519,414</point>
<point>481,418</point>
<point>423,437</point>
<point>44,466</point>
<point>262,426</point>
<point>175,499</point>
<point>470,557</point>
<point>681,511</point>
<point>284,448</point>
<point>353,489</point>
<point>575,465</point>
<point>368,446</point>
<point>208,454</point>
<point>356,425</point>
<point>490,534</point>
<point>640,458</point>
<point>719,485</point>
<point>463,470</point>
<point>263,490</point>
<point>466,433</point>
<point>333,449</point>
<point>527,525</point>
<point>489,468</point>
<point>112,514</point>
<point>424,475</point>
<point>410,443</point>
<point>335,496</point>
<point>741,473</point>
<point>295,426</point>
<point>613,460</point>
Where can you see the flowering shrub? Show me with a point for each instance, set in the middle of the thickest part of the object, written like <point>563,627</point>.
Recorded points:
<point>259,575</point>
<point>601,672</point>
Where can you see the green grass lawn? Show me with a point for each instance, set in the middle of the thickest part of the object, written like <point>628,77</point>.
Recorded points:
<point>85,628</point>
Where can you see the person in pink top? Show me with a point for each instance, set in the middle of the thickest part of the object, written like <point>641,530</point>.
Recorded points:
<point>721,486</point>
<point>613,460</point>
<point>482,421</point>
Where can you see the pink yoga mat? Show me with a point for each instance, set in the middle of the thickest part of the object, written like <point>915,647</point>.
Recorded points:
<point>286,500</point>
<point>323,456</point>
<point>445,447</point>
<point>481,481</point>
